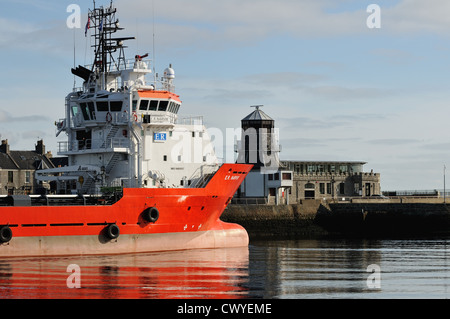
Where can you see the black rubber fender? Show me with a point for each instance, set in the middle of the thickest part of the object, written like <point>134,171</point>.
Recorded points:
<point>112,231</point>
<point>150,214</point>
<point>5,234</point>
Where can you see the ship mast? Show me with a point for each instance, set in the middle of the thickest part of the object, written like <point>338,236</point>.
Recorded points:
<point>105,25</point>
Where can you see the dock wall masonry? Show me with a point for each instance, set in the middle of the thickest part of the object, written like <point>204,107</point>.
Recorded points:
<point>284,221</point>
<point>317,218</point>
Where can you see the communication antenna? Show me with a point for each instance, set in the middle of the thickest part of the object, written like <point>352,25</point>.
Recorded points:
<point>74,60</point>
<point>154,56</point>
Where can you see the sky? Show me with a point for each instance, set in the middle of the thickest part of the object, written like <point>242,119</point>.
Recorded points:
<point>337,89</point>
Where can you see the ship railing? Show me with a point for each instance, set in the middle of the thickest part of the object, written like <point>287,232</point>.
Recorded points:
<point>101,118</point>
<point>117,143</point>
<point>203,175</point>
<point>128,64</point>
<point>190,120</point>
<point>80,145</point>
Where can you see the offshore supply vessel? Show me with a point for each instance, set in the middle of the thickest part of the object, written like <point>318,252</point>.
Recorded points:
<point>139,177</point>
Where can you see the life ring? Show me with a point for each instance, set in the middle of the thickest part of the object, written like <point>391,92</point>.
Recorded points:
<point>135,116</point>
<point>150,214</point>
<point>108,117</point>
<point>5,234</point>
<point>112,231</point>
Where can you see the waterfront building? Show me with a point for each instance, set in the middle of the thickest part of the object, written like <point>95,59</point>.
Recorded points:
<point>331,179</point>
<point>275,181</point>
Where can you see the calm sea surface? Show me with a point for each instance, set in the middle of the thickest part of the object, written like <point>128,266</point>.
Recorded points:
<point>418,268</point>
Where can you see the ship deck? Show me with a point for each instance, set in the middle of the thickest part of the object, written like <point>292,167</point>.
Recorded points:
<point>60,200</point>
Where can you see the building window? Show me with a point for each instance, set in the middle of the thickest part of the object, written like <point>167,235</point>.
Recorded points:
<point>367,189</point>
<point>286,176</point>
<point>276,176</point>
<point>270,177</point>
<point>342,188</point>
<point>27,177</point>
<point>311,168</point>
<point>328,188</point>
<point>272,191</point>
<point>322,188</point>
<point>309,186</point>
<point>10,177</point>
<point>356,188</point>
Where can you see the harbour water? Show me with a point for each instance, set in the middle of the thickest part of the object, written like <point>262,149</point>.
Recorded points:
<point>330,269</point>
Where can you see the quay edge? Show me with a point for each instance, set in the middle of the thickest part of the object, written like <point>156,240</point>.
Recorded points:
<point>364,218</point>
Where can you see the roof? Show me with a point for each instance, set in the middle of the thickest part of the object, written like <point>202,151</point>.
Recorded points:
<point>6,162</point>
<point>26,160</point>
<point>257,115</point>
<point>159,95</point>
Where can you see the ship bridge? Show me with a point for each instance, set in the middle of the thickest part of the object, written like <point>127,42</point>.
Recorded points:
<point>157,108</point>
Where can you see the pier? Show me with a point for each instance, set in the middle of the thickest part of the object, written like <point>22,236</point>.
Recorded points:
<point>396,217</point>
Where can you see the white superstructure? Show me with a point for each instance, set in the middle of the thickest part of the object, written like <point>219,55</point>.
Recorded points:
<point>124,130</point>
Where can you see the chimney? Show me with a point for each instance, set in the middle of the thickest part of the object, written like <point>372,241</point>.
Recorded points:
<point>4,148</point>
<point>40,147</point>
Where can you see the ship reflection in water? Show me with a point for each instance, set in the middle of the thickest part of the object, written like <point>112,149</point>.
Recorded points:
<point>214,273</point>
<point>416,268</point>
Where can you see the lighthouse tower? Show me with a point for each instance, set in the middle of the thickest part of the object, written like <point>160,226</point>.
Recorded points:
<point>259,145</point>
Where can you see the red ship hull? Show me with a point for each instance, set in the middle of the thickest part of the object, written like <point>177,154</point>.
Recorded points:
<point>188,218</point>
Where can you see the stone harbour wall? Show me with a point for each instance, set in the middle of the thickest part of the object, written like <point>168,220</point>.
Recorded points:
<point>316,218</point>
<point>271,221</point>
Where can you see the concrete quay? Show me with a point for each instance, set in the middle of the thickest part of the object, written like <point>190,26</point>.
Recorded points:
<point>272,221</point>
<point>360,217</point>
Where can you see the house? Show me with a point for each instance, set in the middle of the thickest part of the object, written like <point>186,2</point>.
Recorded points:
<point>17,169</point>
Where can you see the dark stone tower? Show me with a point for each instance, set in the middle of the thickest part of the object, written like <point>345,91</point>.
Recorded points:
<point>257,145</point>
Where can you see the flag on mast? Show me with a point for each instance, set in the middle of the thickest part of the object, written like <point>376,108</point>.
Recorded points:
<point>88,26</point>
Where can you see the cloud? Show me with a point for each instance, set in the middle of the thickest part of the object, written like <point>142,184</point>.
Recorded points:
<point>341,93</point>
<point>217,24</point>
<point>393,141</point>
<point>417,16</point>
<point>6,117</point>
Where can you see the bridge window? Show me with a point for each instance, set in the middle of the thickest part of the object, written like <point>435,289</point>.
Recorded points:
<point>153,105</point>
<point>74,110</point>
<point>116,106</point>
<point>102,106</point>
<point>91,110</point>
<point>144,105</point>
<point>84,111</point>
<point>163,106</point>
